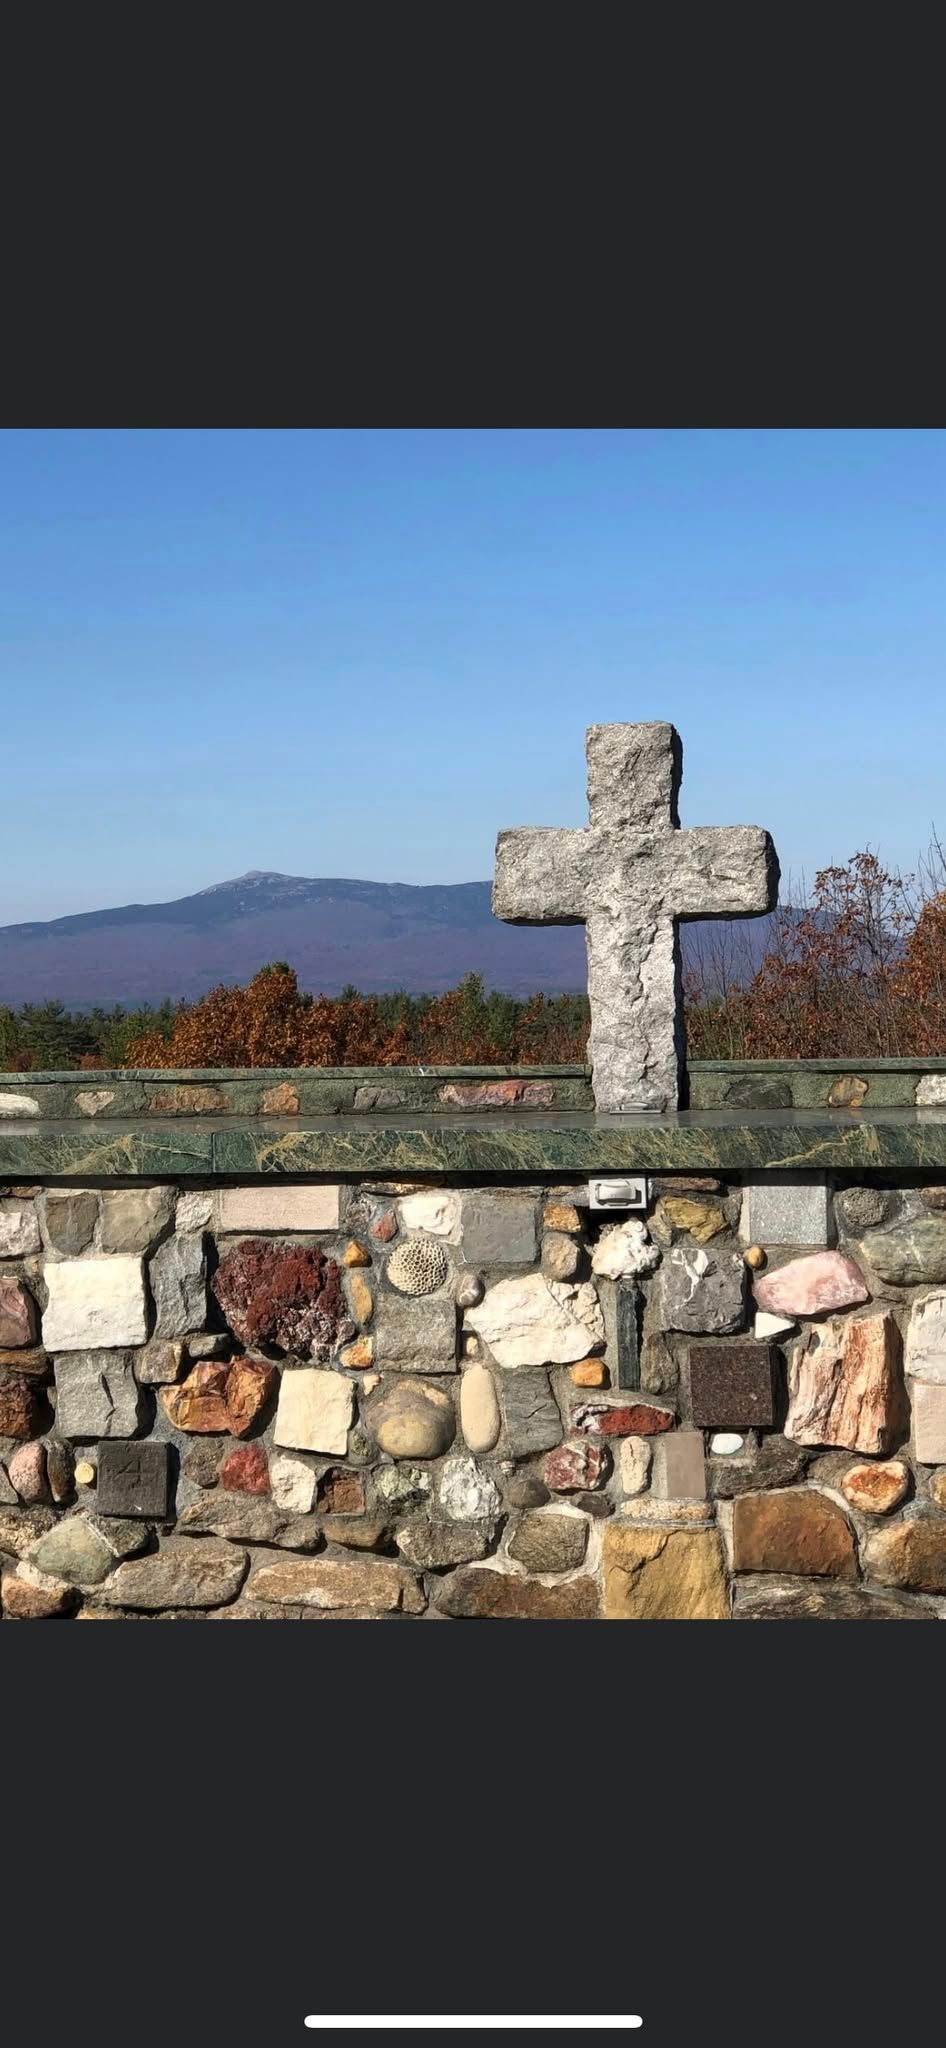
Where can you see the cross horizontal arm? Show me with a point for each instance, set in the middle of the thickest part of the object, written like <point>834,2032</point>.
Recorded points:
<point>723,871</point>
<point>540,875</point>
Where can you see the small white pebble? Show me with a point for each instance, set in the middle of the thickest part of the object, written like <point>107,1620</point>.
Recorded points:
<point>724,1444</point>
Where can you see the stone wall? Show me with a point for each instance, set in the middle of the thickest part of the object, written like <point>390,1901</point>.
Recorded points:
<point>399,1399</point>
<point>286,1092</point>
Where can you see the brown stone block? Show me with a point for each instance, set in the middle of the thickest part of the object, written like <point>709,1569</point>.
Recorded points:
<point>485,1594</point>
<point>732,1386</point>
<point>33,1360</point>
<point>800,1533</point>
<point>911,1554</point>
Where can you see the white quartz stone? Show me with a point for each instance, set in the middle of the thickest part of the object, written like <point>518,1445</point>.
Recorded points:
<point>466,1494</point>
<point>18,1105</point>
<point>293,1485</point>
<point>767,1325</point>
<point>725,1443</point>
<point>434,1210</point>
<point>623,1250</point>
<point>95,1304</point>
<point>529,1320</point>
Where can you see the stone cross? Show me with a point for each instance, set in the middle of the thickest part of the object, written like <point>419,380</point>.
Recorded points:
<point>629,877</point>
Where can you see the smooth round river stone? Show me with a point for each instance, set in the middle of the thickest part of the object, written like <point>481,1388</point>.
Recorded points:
<point>75,1551</point>
<point>937,1487</point>
<point>875,1489</point>
<point>480,1417</point>
<point>412,1419</point>
<point>725,1443</point>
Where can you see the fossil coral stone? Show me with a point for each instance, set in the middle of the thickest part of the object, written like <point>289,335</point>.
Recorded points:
<point>418,1267</point>
<point>289,1296</point>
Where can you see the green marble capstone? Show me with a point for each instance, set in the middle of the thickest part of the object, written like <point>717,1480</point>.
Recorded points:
<point>518,1142</point>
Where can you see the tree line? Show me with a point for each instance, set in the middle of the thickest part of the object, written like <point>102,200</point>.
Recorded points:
<point>855,969</point>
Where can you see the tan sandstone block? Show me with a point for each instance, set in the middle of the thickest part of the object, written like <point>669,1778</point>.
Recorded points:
<point>663,1575</point>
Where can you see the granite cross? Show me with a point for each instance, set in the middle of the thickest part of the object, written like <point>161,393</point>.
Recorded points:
<point>629,877</point>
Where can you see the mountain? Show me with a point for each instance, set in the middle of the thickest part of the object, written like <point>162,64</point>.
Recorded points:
<point>377,935</point>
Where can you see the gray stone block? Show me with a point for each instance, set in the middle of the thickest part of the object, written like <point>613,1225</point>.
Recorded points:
<point>416,1333</point>
<point>791,1212</point>
<point>134,1218</point>
<point>530,1412</point>
<point>499,1229</point>
<point>97,1395</point>
<point>133,1480</point>
<point>702,1291</point>
<point>69,1219</point>
<point>178,1276</point>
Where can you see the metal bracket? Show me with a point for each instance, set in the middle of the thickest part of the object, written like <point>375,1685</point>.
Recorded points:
<point>631,1192</point>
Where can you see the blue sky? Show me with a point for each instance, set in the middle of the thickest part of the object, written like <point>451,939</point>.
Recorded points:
<point>362,652</point>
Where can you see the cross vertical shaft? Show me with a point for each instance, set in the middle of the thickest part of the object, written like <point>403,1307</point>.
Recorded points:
<point>630,876</point>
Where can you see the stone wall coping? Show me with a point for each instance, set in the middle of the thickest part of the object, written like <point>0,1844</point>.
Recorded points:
<point>526,1142</point>
<point>102,1077</point>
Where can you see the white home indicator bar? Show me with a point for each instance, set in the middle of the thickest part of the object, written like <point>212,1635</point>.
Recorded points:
<point>515,2020</point>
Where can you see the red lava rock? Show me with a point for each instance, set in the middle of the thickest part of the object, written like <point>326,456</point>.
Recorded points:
<point>245,1470</point>
<point>17,1316</point>
<point>26,1471</point>
<point>575,1467</point>
<point>19,1405</point>
<point>289,1296</point>
<point>638,1419</point>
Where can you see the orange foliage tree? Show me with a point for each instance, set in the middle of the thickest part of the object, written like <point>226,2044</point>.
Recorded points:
<point>271,1023</point>
<point>859,972</point>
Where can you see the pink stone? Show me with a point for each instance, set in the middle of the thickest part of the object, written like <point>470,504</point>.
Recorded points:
<point>812,1286</point>
<point>245,1470</point>
<point>573,1467</point>
<point>17,1314</point>
<point>845,1386</point>
<point>27,1473</point>
<point>498,1094</point>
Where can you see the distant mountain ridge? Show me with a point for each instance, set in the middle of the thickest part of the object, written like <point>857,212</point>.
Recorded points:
<point>334,931</point>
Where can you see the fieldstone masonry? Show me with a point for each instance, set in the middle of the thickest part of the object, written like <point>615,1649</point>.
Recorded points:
<point>735,1408</point>
<point>630,876</point>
